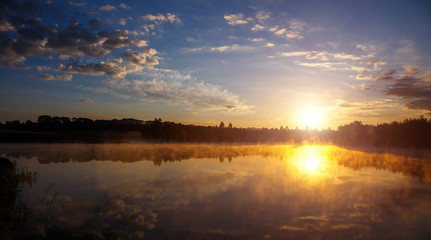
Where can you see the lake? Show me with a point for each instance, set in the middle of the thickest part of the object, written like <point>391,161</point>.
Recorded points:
<point>182,191</point>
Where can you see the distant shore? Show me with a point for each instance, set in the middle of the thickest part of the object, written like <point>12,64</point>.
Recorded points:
<point>410,133</point>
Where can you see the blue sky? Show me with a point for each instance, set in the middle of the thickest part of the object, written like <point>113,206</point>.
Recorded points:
<point>252,63</point>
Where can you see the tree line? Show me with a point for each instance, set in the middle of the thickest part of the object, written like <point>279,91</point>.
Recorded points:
<point>410,133</point>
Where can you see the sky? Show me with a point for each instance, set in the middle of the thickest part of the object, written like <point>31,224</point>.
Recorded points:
<point>251,63</point>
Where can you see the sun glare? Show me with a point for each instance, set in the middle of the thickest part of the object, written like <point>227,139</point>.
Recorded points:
<point>311,161</point>
<point>311,118</point>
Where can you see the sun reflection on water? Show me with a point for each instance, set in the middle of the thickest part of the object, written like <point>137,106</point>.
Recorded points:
<point>311,160</point>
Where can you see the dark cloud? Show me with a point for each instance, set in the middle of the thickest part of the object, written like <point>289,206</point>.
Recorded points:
<point>25,35</point>
<point>78,4</point>
<point>117,68</point>
<point>412,88</point>
<point>95,22</point>
<point>49,77</point>
<point>390,72</point>
<point>112,68</point>
<point>28,7</point>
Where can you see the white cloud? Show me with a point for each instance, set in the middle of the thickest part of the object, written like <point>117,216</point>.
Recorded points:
<point>273,29</point>
<point>257,27</point>
<point>293,34</point>
<point>328,65</point>
<point>270,44</point>
<point>235,19</point>
<point>172,18</point>
<point>280,32</point>
<point>176,89</point>
<point>295,54</point>
<point>169,17</point>
<point>343,55</point>
<point>234,47</point>
<point>86,100</point>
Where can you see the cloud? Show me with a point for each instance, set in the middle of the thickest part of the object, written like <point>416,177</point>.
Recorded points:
<point>111,68</point>
<point>117,68</point>
<point>310,55</point>
<point>123,21</point>
<point>257,27</point>
<point>86,100</point>
<point>95,22</point>
<point>366,109</point>
<point>234,47</point>
<point>291,31</point>
<point>35,38</point>
<point>169,17</point>
<point>415,89</point>
<point>295,54</point>
<point>107,8</point>
<point>65,77</point>
<point>293,34</point>
<point>369,65</point>
<point>78,4</point>
<point>176,88</point>
<point>6,26</point>
<point>223,49</point>
<point>296,25</point>
<point>42,68</point>
<point>343,55</point>
<point>328,65</point>
<point>364,77</point>
<point>269,44</point>
<point>172,18</point>
<point>273,29</point>
<point>122,5</point>
<point>235,19</point>
<point>280,31</point>
<point>261,16</point>
<point>410,69</point>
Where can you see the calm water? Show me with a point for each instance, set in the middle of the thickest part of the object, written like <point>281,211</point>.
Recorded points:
<point>132,191</point>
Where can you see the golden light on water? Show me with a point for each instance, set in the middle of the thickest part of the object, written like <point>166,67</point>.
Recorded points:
<point>311,160</point>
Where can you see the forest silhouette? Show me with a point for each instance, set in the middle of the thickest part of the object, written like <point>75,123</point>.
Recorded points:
<point>410,133</point>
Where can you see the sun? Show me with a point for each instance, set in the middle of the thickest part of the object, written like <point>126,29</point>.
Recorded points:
<point>312,118</point>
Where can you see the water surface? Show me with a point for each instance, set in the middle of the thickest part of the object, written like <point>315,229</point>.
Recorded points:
<point>158,191</point>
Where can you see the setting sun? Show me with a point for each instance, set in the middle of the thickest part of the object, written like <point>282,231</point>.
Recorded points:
<point>311,118</point>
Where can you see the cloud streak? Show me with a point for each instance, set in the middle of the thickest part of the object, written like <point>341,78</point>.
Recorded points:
<point>176,89</point>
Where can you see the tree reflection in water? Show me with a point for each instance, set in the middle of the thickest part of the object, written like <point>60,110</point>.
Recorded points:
<point>173,191</point>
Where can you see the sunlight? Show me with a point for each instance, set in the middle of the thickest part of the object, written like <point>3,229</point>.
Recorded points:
<point>311,164</point>
<point>312,118</point>
<point>311,160</point>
